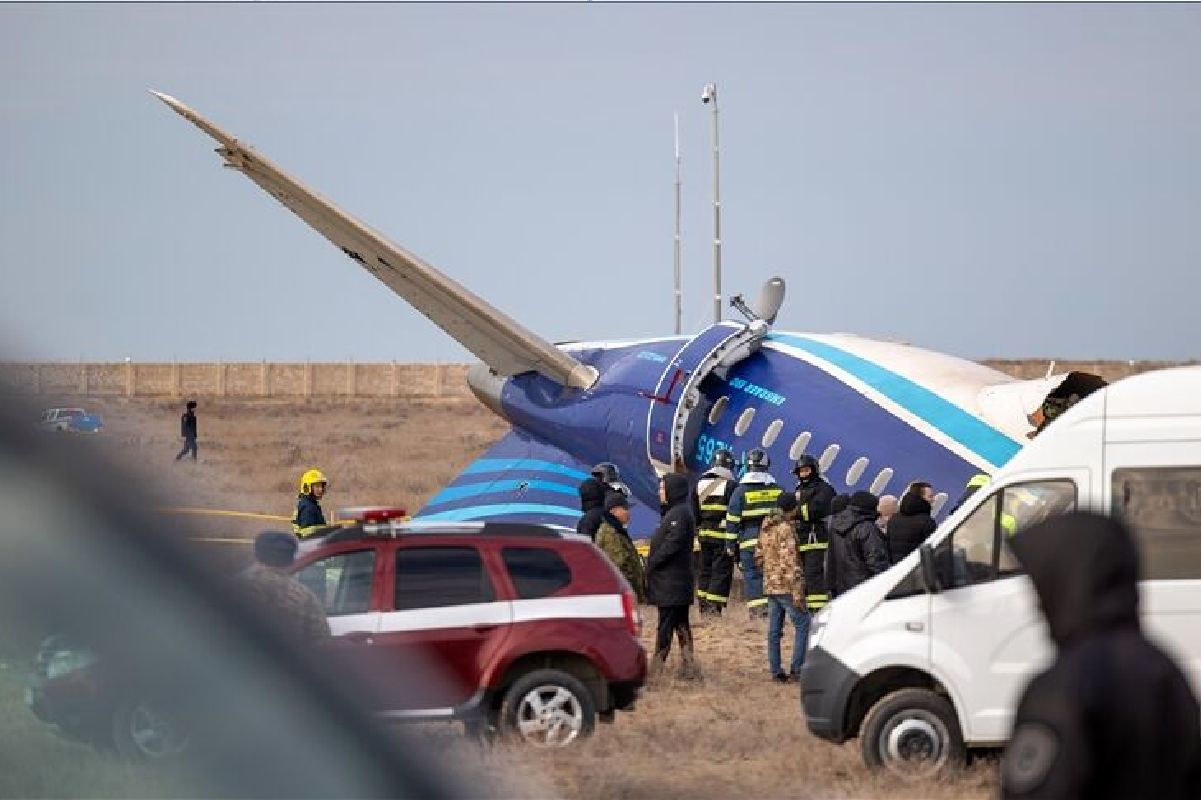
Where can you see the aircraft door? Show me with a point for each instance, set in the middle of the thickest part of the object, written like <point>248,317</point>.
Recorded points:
<point>987,634</point>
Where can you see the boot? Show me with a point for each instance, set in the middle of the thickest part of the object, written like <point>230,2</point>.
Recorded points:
<point>657,666</point>
<point>690,669</point>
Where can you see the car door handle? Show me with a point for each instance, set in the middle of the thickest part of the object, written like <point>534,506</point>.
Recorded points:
<point>359,637</point>
<point>915,627</point>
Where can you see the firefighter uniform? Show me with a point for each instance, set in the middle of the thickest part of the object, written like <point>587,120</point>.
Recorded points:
<point>716,569</point>
<point>309,517</point>
<point>750,504</point>
<point>814,496</point>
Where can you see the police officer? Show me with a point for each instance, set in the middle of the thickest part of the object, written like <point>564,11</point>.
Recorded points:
<point>716,569</point>
<point>1113,716</point>
<point>309,517</point>
<point>753,499</point>
<point>814,496</point>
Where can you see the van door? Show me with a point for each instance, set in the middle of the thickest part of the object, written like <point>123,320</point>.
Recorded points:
<point>987,635</point>
<point>1155,487</point>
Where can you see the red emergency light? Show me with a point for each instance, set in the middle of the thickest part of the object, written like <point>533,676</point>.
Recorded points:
<point>372,514</point>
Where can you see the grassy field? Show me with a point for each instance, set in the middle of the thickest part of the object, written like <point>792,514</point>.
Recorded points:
<point>736,734</point>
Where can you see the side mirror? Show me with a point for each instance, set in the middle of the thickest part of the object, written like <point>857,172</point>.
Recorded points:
<point>928,572</point>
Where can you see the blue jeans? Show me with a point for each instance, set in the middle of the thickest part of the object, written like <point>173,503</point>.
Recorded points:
<point>752,579</point>
<point>777,606</point>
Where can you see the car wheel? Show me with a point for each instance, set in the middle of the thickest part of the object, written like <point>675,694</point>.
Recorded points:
<point>548,708</point>
<point>143,731</point>
<point>913,733</point>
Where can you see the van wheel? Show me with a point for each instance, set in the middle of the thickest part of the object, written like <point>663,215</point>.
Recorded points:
<point>548,708</point>
<point>913,733</point>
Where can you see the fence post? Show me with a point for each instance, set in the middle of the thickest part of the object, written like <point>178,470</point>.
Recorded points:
<point>263,378</point>
<point>129,378</point>
<point>350,379</point>
<point>393,386</point>
<point>83,379</point>
<point>439,382</point>
<point>220,378</point>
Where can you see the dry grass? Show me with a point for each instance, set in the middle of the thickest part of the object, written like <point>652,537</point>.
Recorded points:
<point>736,734</point>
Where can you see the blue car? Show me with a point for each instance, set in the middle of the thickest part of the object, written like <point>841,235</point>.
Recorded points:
<point>71,420</point>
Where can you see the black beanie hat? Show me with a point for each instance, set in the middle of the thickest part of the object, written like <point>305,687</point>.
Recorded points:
<point>275,548</point>
<point>839,503</point>
<point>865,501</point>
<point>616,500</point>
<point>786,502</point>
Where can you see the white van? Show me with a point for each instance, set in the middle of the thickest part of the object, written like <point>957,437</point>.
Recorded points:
<point>930,658</point>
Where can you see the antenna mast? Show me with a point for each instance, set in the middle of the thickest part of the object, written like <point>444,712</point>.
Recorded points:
<point>676,249</point>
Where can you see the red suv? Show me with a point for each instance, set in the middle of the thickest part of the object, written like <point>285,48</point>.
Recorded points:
<point>518,628</point>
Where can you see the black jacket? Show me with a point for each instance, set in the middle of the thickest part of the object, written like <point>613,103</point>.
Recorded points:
<point>1113,716</point>
<point>669,563</point>
<point>592,503</point>
<point>857,550</point>
<point>308,513</point>
<point>909,527</point>
<point>813,505</point>
<point>187,425</point>
<point>813,501</point>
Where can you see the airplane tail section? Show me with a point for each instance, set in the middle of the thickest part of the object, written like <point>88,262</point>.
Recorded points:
<point>495,338</point>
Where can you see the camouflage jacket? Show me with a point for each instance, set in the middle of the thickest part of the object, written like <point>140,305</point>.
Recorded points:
<point>776,555</point>
<point>621,551</point>
<point>293,608</point>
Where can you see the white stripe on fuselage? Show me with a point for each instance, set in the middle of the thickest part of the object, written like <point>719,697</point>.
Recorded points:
<point>879,399</point>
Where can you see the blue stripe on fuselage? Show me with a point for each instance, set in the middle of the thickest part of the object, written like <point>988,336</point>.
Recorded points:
<point>504,509</point>
<point>526,464</point>
<point>461,491</point>
<point>948,418</point>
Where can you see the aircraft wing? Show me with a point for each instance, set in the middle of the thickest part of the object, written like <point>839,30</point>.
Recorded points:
<point>494,337</point>
<point>523,479</point>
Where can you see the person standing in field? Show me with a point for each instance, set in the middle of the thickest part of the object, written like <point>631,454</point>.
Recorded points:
<point>310,518</point>
<point>614,541</point>
<point>669,580</point>
<point>187,429</point>
<point>783,585</point>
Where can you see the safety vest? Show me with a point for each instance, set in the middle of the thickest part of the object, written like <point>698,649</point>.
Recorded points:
<point>713,493</point>
<point>757,500</point>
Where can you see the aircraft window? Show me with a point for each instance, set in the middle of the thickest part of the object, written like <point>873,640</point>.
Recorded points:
<point>798,445</point>
<point>828,456</point>
<point>772,432</point>
<point>718,409</point>
<point>940,500</point>
<point>856,470</point>
<point>882,480</point>
<point>744,421</point>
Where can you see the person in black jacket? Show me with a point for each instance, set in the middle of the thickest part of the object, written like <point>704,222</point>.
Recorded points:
<point>857,547</point>
<point>669,581</point>
<point>187,429</point>
<point>814,498</point>
<point>603,481</point>
<point>1113,717</point>
<point>913,524</point>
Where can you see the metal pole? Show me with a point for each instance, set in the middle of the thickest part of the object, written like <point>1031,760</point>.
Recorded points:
<point>716,208</point>
<point>676,253</point>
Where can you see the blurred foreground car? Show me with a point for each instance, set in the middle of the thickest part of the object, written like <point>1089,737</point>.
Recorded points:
<point>523,629</point>
<point>71,420</point>
<point>122,605</point>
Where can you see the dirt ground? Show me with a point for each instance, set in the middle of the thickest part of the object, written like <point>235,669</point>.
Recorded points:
<point>735,734</point>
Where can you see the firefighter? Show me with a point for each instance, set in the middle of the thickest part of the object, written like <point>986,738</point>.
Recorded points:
<point>814,496</point>
<point>309,516</point>
<point>716,569</point>
<point>603,481</point>
<point>753,499</point>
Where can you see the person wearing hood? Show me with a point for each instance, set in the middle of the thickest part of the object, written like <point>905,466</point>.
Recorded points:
<point>669,584</point>
<point>857,547</point>
<point>912,524</point>
<point>593,491</point>
<point>814,497</point>
<point>784,585</point>
<point>750,504</point>
<point>716,571</point>
<point>614,541</point>
<point>1113,716</point>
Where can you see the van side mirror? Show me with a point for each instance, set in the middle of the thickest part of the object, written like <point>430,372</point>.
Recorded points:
<point>928,572</point>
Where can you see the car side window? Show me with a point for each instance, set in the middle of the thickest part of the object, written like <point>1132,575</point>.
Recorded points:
<point>535,572</point>
<point>978,551</point>
<point>342,582</point>
<point>1162,506</point>
<point>432,577</point>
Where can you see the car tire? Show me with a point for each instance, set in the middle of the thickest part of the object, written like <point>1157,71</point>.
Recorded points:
<point>913,733</point>
<point>548,708</point>
<point>142,731</point>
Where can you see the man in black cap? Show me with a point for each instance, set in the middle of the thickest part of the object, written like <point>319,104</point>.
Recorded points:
<point>187,429</point>
<point>267,584</point>
<point>1113,716</point>
<point>857,547</point>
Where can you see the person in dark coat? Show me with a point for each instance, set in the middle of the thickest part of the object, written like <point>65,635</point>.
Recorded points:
<point>669,580</point>
<point>814,498</point>
<point>857,547</point>
<point>187,429</point>
<point>913,524</point>
<point>1113,717</point>
<point>604,481</point>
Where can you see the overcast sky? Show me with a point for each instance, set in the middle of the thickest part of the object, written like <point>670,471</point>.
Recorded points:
<point>987,180</point>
